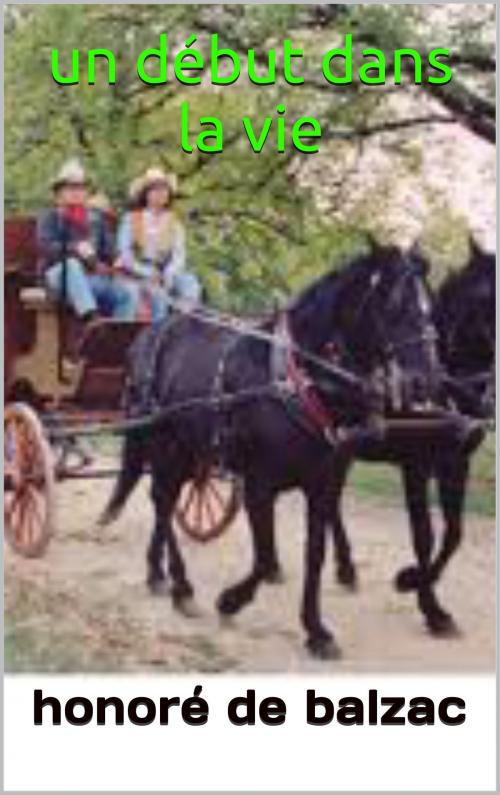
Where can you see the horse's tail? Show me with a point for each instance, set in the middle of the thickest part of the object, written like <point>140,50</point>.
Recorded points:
<point>132,467</point>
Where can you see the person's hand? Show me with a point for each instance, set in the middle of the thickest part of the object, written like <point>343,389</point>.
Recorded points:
<point>156,279</point>
<point>102,269</point>
<point>121,266</point>
<point>118,266</point>
<point>85,249</point>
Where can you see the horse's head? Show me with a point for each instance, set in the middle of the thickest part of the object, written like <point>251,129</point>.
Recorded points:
<point>389,327</point>
<point>465,315</point>
<point>465,319</point>
<point>386,328</point>
<point>481,295</point>
<point>374,317</point>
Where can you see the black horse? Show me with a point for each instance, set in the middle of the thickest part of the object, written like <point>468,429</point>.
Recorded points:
<point>271,409</point>
<point>464,314</point>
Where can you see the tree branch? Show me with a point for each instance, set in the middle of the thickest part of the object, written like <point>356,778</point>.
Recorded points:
<point>388,126</point>
<point>469,108</point>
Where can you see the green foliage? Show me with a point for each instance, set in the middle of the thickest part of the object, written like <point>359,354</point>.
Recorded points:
<point>254,232</point>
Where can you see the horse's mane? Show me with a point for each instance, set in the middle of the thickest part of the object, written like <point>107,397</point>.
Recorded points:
<point>312,309</point>
<point>347,273</point>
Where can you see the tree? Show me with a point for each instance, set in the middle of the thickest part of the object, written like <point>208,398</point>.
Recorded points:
<point>255,232</point>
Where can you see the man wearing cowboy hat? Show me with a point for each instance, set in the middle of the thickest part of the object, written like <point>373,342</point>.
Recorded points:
<point>151,245</point>
<point>76,249</point>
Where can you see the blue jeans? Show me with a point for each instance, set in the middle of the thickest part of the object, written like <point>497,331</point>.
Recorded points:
<point>90,292</point>
<point>185,287</point>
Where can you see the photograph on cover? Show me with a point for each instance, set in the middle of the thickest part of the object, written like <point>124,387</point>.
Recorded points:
<point>249,338</point>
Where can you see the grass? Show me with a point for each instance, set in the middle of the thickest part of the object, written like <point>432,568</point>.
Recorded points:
<point>29,649</point>
<point>37,639</point>
<point>383,482</point>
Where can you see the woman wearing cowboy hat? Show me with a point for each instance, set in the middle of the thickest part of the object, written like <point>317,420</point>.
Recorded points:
<point>151,245</point>
<point>76,250</point>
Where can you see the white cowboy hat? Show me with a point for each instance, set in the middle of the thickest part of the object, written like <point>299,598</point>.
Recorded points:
<point>71,173</point>
<point>151,177</point>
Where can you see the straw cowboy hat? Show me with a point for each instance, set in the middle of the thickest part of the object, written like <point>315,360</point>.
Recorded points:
<point>71,173</point>
<point>151,178</point>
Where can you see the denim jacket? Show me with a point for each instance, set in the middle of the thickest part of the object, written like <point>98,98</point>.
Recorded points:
<point>56,235</point>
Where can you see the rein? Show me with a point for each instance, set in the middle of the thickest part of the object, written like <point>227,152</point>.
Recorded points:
<point>244,329</point>
<point>304,387</point>
<point>296,380</point>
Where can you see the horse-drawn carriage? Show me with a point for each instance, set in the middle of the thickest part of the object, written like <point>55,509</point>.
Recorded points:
<point>284,404</point>
<point>62,382</point>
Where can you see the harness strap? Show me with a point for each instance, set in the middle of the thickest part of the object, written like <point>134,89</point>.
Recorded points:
<point>305,389</point>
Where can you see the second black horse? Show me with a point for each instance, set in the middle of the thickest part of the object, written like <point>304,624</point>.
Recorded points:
<point>464,315</point>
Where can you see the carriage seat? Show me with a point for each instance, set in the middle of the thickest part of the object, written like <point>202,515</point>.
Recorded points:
<point>103,354</point>
<point>36,297</point>
<point>106,340</point>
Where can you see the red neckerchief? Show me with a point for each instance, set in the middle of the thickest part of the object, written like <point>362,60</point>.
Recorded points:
<point>76,215</point>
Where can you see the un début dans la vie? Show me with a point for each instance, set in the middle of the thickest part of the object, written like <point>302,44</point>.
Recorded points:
<point>224,67</point>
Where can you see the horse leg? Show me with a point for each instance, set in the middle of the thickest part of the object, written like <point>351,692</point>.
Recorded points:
<point>415,485</point>
<point>320,640</point>
<point>260,513</point>
<point>345,568</point>
<point>164,495</point>
<point>420,578</point>
<point>452,478</point>
<point>154,557</point>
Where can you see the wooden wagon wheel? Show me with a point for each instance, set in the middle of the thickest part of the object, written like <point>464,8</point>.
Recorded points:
<point>207,505</point>
<point>28,481</point>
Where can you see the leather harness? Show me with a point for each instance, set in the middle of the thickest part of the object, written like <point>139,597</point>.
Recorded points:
<point>288,373</point>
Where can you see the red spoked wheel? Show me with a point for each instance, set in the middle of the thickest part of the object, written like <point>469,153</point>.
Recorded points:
<point>28,482</point>
<point>207,505</point>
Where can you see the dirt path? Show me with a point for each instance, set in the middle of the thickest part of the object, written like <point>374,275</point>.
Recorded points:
<point>88,602</point>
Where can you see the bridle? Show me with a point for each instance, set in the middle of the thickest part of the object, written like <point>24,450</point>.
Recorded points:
<point>428,332</point>
<point>390,381</point>
<point>389,369</point>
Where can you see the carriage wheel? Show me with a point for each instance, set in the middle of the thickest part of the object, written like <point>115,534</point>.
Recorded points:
<point>28,480</point>
<point>207,505</point>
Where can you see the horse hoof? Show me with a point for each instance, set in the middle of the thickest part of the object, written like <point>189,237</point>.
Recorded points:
<point>226,621</point>
<point>324,648</point>
<point>158,587</point>
<point>408,579</point>
<point>275,577</point>
<point>347,578</point>
<point>443,626</point>
<point>227,603</point>
<point>188,607</point>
